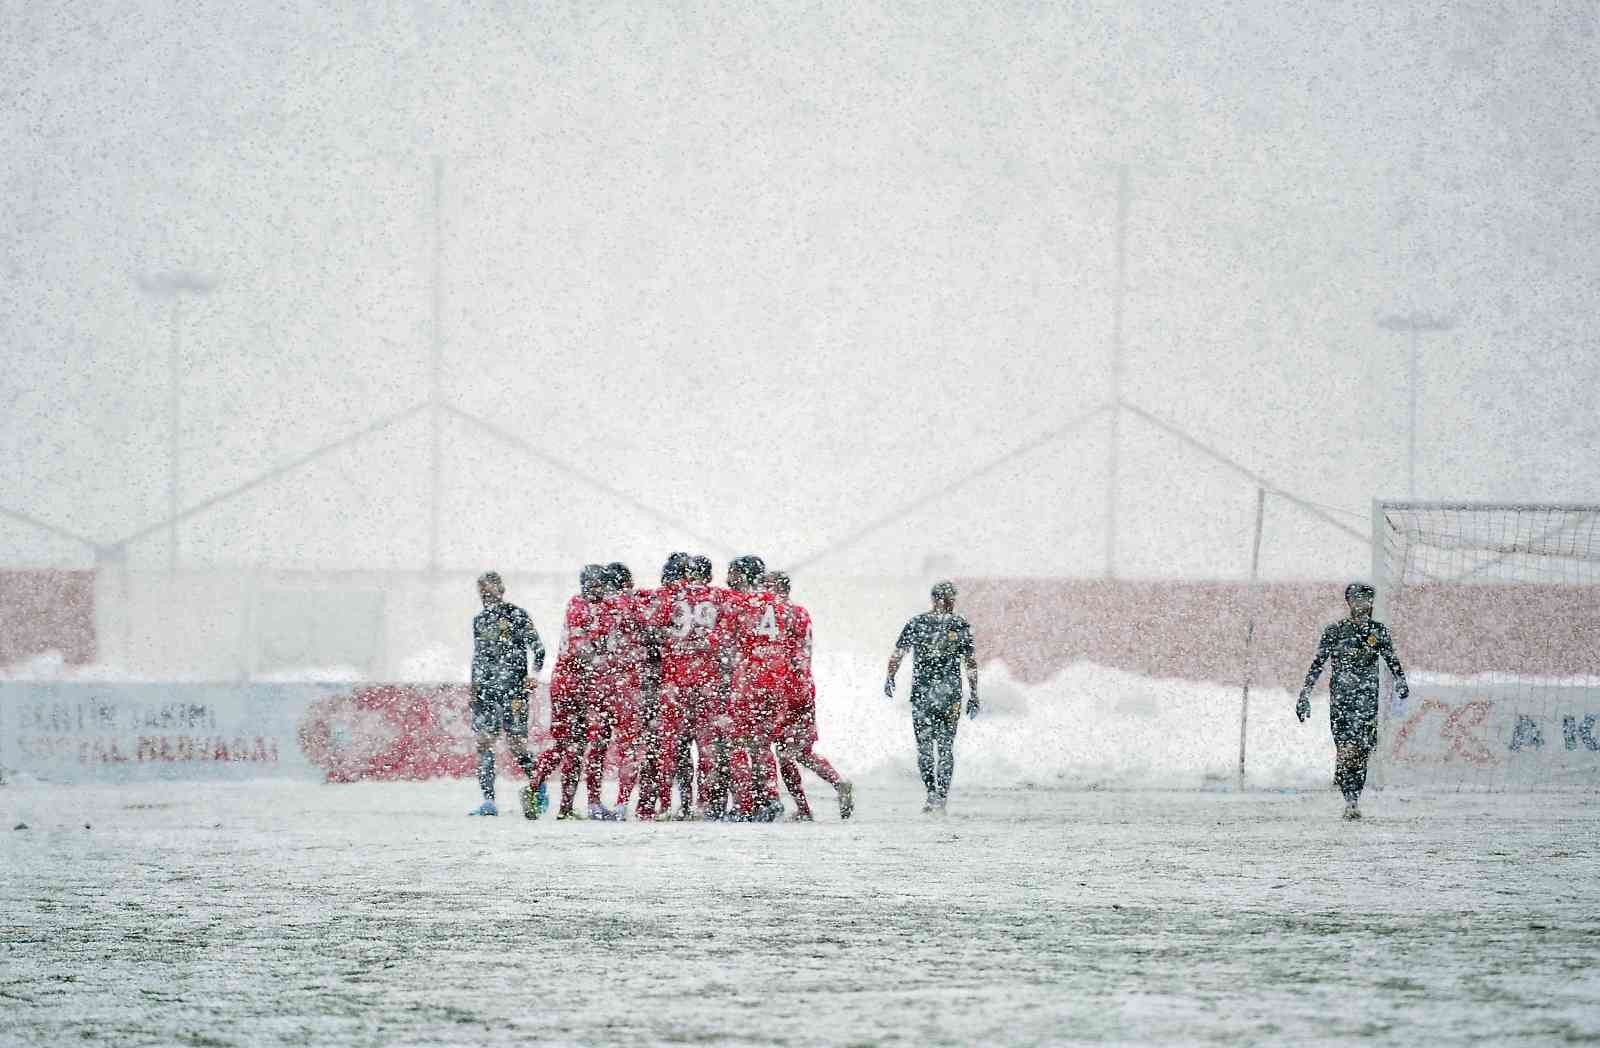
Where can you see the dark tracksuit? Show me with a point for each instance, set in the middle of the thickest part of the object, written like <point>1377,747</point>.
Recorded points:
<point>502,638</point>
<point>940,645</point>
<point>1354,649</point>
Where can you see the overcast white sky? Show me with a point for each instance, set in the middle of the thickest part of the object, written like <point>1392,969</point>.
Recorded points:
<point>779,271</point>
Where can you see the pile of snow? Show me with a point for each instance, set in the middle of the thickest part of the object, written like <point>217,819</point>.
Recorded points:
<point>1087,727</point>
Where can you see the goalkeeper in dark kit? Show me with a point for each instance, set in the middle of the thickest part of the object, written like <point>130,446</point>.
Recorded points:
<point>1354,645</point>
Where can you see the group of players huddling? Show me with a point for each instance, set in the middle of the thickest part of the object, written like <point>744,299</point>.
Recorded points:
<point>689,684</point>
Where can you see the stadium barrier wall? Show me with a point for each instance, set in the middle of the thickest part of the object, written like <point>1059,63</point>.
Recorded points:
<point>1196,630</point>
<point>82,732</point>
<point>255,624</point>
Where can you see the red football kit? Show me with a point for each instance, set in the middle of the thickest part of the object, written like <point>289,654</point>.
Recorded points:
<point>690,622</point>
<point>796,728</point>
<point>571,699</point>
<point>772,639</point>
<point>755,635</point>
<point>618,634</point>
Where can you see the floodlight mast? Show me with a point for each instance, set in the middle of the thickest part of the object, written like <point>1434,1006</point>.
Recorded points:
<point>1412,323</point>
<point>174,285</point>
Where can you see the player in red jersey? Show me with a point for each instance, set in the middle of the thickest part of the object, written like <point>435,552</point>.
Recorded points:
<point>796,733</point>
<point>761,635</point>
<point>655,729</point>
<point>616,676</point>
<point>571,691</point>
<point>683,617</point>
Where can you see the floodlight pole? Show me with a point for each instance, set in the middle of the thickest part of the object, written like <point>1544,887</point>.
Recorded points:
<point>173,286</point>
<point>1250,632</point>
<point>174,421</point>
<point>1412,323</point>
<point>436,396</point>
<point>1118,303</point>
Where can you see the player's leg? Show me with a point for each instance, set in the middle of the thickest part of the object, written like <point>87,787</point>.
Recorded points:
<point>687,780</point>
<point>711,743</point>
<point>485,772</point>
<point>599,744</point>
<point>945,734</point>
<point>1352,749</point>
<point>487,720</point>
<point>927,751</point>
<point>741,761</point>
<point>516,730</point>
<point>798,736</point>
<point>594,767</point>
<point>741,770</point>
<point>624,712</point>
<point>769,807</point>
<point>749,764</point>
<point>766,727</point>
<point>789,769</point>
<point>705,750</point>
<point>719,703</point>
<point>650,737</point>
<point>670,729</point>
<point>806,757</point>
<point>1343,752</point>
<point>572,761</point>
<point>563,724</point>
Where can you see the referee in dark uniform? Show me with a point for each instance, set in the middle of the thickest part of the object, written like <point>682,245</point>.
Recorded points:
<point>941,643</point>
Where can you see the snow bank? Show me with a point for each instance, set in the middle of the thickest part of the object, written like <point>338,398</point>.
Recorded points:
<point>1087,727</point>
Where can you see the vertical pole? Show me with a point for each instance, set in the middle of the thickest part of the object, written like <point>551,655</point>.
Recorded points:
<point>1119,298</point>
<point>174,418</point>
<point>1380,601</point>
<point>1411,427</point>
<point>1250,632</point>
<point>436,394</point>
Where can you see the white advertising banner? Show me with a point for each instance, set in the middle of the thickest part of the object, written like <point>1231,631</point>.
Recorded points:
<point>1492,735</point>
<point>85,732</point>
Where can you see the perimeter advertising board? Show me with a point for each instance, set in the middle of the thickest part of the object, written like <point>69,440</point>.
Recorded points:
<point>1492,735</point>
<point>84,732</point>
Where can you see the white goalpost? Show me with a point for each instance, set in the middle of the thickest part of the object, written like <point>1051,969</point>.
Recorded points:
<point>1495,611</point>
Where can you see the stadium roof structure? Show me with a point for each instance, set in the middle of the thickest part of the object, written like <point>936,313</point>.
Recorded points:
<point>437,410</point>
<point>1113,411</point>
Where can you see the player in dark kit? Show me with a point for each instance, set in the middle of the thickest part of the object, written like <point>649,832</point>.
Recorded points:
<point>942,643</point>
<point>1354,645</point>
<point>502,639</point>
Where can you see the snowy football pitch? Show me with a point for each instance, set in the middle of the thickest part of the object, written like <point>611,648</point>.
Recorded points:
<point>379,914</point>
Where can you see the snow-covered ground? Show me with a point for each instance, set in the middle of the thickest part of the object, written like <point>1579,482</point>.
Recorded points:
<point>302,914</point>
<point>1098,878</point>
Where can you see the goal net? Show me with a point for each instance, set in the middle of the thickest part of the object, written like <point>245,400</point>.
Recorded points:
<point>1495,611</point>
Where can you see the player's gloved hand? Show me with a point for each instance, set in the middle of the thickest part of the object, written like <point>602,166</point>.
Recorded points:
<point>1401,694</point>
<point>888,687</point>
<point>1302,709</point>
<point>972,707</point>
